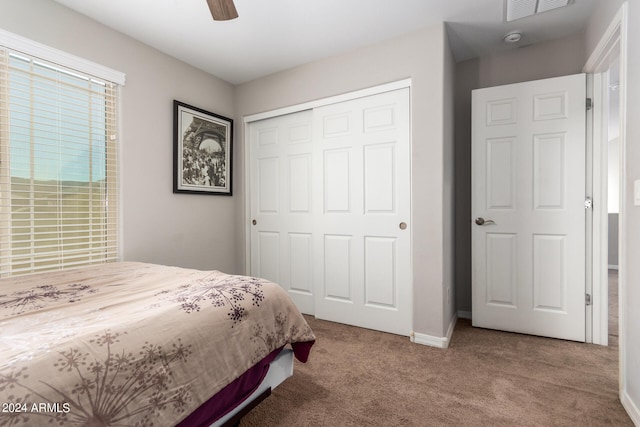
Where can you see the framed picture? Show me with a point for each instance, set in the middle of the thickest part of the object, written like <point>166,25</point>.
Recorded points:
<point>202,151</point>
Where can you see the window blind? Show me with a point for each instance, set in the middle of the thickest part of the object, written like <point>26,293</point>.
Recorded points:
<point>58,166</point>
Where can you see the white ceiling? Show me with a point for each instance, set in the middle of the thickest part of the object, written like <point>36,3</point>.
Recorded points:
<point>273,35</point>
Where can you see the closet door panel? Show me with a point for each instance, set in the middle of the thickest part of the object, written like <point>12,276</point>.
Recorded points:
<point>363,245</point>
<point>281,178</point>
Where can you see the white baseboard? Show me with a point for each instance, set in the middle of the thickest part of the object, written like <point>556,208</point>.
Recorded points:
<point>631,408</point>
<point>464,315</point>
<point>432,341</point>
<point>613,267</point>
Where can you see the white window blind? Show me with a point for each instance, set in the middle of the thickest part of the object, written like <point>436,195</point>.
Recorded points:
<point>58,166</point>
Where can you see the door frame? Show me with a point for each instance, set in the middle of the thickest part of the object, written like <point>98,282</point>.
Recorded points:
<point>597,314</point>
<point>247,120</point>
<point>608,49</point>
<point>612,44</point>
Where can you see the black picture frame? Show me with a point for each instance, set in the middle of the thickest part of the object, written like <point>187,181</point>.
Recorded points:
<point>202,151</point>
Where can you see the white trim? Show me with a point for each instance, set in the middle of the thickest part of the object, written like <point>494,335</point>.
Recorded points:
<point>430,340</point>
<point>433,341</point>
<point>247,197</point>
<point>592,235</point>
<point>39,50</point>
<point>375,90</point>
<point>597,218</point>
<point>630,407</point>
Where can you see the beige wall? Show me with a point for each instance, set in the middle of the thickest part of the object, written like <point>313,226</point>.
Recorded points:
<point>420,56</point>
<point>544,60</point>
<point>158,226</point>
<point>631,224</point>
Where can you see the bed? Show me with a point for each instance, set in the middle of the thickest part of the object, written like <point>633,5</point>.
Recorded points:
<point>136,344</point>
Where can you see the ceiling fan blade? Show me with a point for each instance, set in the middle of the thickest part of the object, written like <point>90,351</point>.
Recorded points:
<point>222,10</point>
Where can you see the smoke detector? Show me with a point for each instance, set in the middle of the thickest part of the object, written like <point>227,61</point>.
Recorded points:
<point>513,37</point>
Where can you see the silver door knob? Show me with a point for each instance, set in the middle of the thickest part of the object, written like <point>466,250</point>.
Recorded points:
<point>482,221</point>
<point>403,226</point>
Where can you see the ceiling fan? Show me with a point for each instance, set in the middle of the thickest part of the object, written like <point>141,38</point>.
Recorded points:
<point>222,10</point>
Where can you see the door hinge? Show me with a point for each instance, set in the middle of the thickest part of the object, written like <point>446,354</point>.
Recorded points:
<point>587,299</point>
<point>588,203</point>
<point>589,104</point>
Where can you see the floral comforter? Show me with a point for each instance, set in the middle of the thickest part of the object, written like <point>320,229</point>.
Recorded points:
<point>132,344</point>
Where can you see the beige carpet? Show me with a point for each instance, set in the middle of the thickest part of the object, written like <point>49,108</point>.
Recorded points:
<point>358,377</point>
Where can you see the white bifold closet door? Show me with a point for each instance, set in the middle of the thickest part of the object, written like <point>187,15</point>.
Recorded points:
<point>330,206</point>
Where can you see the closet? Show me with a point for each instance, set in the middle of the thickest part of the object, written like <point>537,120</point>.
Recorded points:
<point>330,201</point>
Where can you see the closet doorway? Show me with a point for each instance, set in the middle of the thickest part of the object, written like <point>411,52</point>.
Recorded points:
<point>329,201</point>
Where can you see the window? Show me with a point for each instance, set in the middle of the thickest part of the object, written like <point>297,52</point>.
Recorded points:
<point>58,166</point>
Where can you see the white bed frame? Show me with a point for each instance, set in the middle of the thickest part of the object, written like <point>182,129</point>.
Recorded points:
<point>280,369</point>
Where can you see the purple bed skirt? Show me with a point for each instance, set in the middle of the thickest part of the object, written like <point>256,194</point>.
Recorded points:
<point>239,390</point>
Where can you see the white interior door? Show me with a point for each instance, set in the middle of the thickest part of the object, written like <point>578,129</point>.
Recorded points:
<point>528,150</point>
<point>363,245</point>
<point>281,204</point>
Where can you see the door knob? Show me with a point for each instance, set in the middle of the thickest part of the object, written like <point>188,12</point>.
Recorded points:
<point>403,226</point>
<point>482,221</point>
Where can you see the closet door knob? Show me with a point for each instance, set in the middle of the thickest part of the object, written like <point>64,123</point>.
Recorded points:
<point>254,222</point>
<point>403,226</point>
